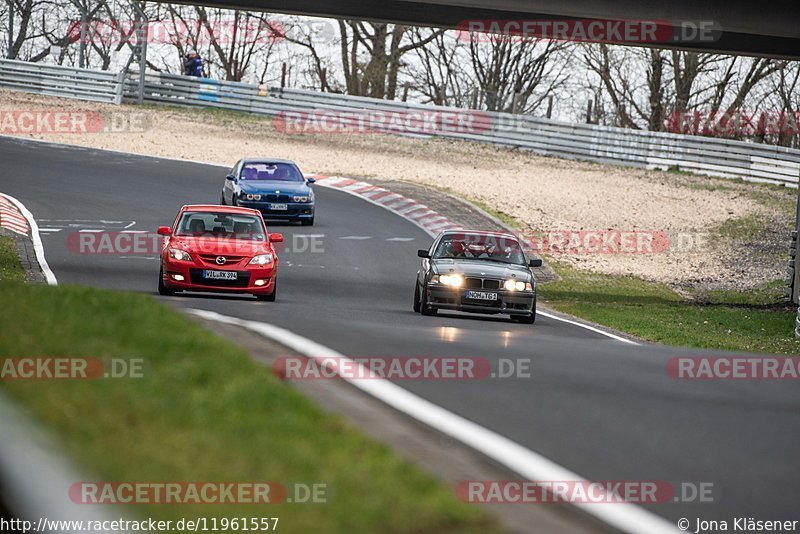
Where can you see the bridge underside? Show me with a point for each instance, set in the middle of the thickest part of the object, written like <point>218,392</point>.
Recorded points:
<point>761,28</point>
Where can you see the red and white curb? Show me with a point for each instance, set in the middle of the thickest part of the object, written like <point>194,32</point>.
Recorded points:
<point>11,218</point>
<point>432,222</point>
<point>17,218</point>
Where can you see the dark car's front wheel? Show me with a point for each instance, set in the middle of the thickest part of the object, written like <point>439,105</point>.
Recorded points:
<point>162,289</point>
<point>416,298</point>
<point>531,319</point>
<point>424,308</point>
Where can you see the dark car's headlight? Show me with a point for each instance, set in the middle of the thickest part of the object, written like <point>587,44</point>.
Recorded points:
<point>452,280</point>
<point>517,285</point>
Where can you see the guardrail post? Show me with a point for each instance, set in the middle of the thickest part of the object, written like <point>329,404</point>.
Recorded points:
<point>120,87</point>
<point>142,35</point>
<point>795,272</point>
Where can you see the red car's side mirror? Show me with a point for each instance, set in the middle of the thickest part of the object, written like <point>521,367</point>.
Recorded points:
<point>164,230</point>
<point>276,238</point>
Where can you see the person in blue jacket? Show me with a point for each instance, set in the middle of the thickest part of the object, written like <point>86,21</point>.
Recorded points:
<point>193,65</point>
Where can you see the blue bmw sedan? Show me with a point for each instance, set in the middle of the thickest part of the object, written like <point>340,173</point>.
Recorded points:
<point>275,187</point>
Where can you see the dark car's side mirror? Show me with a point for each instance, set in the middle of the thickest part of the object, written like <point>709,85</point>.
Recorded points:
<point>422,253</point>
<point>231,177</point>
<point>164,230</point>
<point>535,263</point>
<point>276,238</point>
<point>311,181</point>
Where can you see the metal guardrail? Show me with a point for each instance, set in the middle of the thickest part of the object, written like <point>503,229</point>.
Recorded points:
<point>55,80</point>
<point>619,146</point>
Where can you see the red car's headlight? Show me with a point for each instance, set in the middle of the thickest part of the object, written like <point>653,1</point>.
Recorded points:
<point>261,259</point>
<point>180,255</point>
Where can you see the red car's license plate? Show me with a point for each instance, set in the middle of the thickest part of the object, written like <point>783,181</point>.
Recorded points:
<point>220,275</point>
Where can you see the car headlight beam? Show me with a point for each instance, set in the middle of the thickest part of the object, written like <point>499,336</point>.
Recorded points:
<point>261,259</point>
<point>180,255</point>
<point>452,280</point>
<point>516,285</point>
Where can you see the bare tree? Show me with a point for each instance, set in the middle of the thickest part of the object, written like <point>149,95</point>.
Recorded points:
<point>517,74</point>
<point>372,55</point>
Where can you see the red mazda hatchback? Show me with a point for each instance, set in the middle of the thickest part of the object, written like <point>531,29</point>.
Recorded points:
<point>219,249</point>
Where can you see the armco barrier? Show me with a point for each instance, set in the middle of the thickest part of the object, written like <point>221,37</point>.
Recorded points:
<point>604,144</point>
<point>54,80</point>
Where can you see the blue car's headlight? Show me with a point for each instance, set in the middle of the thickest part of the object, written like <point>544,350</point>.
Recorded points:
<point>249,196</point>
<point>301,198</point>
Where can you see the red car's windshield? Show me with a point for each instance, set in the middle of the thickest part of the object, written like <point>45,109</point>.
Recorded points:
<point>221,225</point>
<point>480,246</point>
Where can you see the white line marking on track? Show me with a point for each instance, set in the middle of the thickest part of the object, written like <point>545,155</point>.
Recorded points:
<point>38,248</point>
<point>400,239</point>
<point>50,229</point>
<point>89,231</point>
<point>525,462</point>
<point>356,237</point>
<point>587,327</point>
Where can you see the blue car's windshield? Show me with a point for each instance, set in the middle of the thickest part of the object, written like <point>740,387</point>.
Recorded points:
<point>274,172</point>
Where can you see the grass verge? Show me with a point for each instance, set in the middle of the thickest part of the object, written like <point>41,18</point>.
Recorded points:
<point>203,411</point>
<point>755,321</point>
<point>10,268</point>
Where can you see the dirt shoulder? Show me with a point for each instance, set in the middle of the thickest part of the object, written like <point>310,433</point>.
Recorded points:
<point>723,234</point>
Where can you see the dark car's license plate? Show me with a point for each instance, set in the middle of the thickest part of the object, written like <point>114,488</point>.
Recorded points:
<point>220,275</point>
<point>481,295</point>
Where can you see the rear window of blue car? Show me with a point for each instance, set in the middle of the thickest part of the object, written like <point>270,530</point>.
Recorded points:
<point>273,172</point>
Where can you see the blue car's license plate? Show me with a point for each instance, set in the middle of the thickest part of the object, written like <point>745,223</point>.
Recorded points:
<point>220,275</point>
<point>278,207</point>
<point>481,295</point>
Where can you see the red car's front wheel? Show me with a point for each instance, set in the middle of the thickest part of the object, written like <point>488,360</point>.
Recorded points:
<point>271,296</point>
<point>162,289</point>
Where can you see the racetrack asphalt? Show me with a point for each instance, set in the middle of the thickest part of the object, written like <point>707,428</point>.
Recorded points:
<point>601,408</point>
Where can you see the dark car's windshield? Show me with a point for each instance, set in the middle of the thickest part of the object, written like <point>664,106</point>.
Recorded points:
<point>274,172</point>
<point>221,225</point>
<point>480,247</point>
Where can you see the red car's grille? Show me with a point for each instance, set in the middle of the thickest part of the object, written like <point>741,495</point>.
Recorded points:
<point>212,259</point>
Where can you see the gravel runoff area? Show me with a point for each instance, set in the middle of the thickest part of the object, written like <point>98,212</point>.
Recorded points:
<point>722,234</point>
